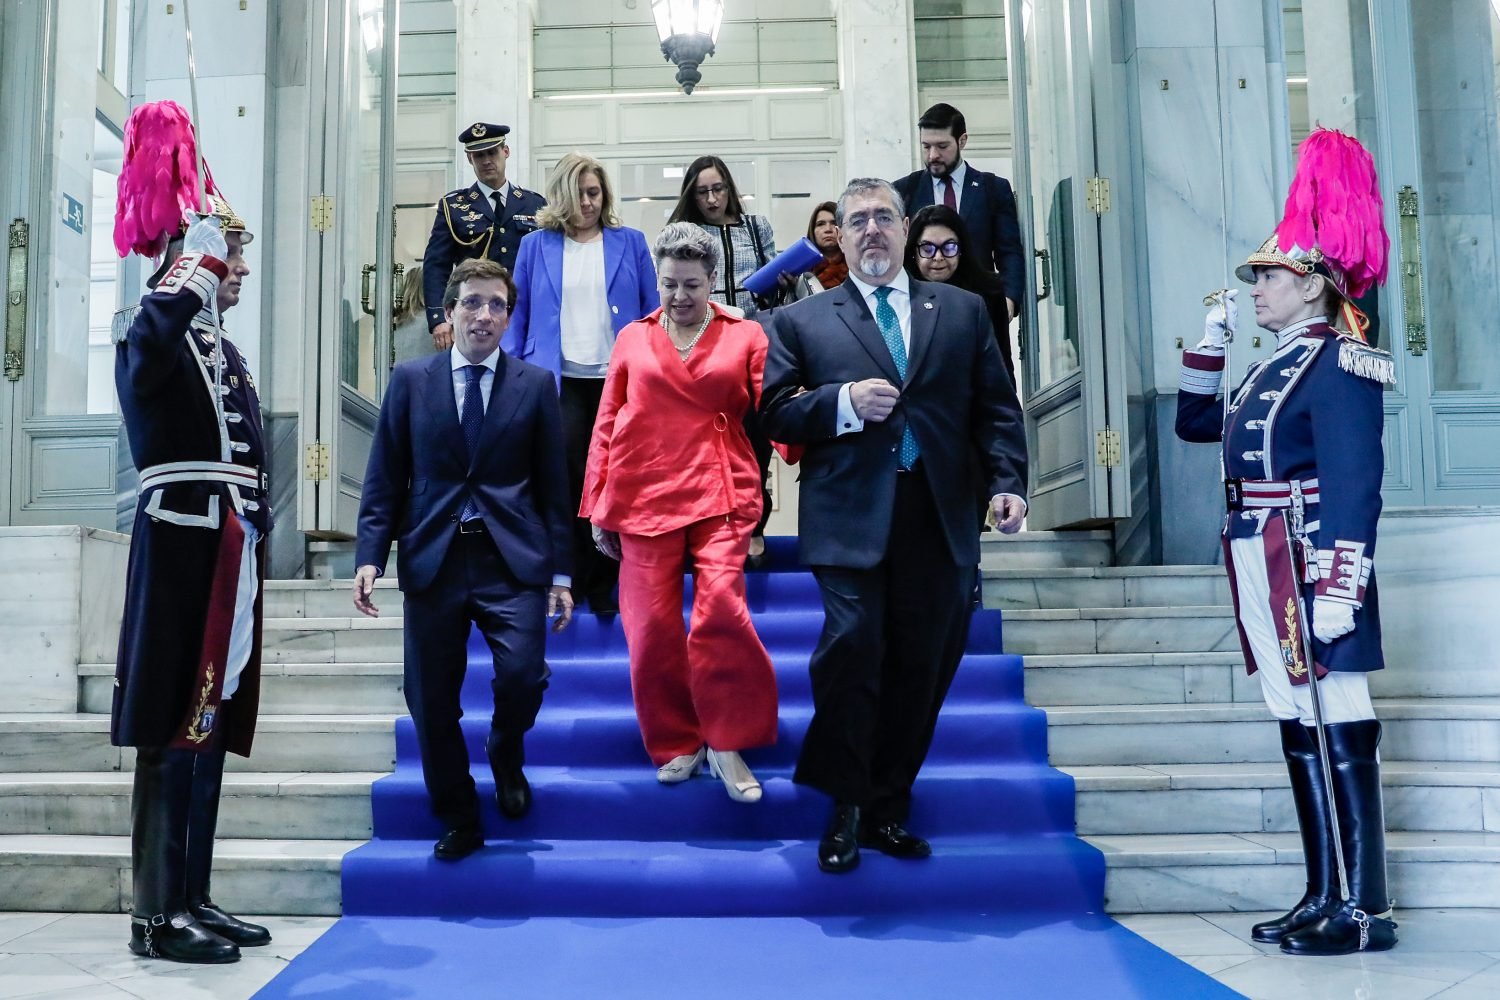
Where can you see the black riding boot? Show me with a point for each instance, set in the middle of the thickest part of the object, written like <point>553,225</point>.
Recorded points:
<point>203,822</point>
<point>1357,925</point>
<point>1300,747</point>
<point>161,926</point>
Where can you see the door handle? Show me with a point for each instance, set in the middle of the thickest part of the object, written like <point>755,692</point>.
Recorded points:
<point>15,300</point>
<point>1046,273</point>
<point>364,289</point>
<point>1414,312</point>
<point>398,300</point>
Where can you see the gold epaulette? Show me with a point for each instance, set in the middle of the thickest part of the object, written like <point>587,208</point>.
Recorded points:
<point>119,327</point>
<point>1359,358</point>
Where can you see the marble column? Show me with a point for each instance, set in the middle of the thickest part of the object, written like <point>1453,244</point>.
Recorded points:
<point>878,83</point>
<point>1204,194</point>
<point>494,80</point>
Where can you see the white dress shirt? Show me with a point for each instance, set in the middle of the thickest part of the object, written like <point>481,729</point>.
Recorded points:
<point>959,173</point>
<point>489,194</point>
<point>900,300</point>
<point>588,335</point>
<point>486,388</point>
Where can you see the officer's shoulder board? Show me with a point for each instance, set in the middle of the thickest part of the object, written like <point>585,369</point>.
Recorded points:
<point>1359,358</point>
<point>119,326</point>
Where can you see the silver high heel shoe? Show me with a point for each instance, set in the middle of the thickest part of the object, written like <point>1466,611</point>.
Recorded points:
<point>680,768</point>
<point>729,767</point>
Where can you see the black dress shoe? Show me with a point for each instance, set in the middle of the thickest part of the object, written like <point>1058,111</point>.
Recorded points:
<point>1347,931</point>
<point>457,844</point>
<point>513,793</point>
<point>838,851</point>
<point>233,929</point>
<point>179,937</point>
<point>890,839</point>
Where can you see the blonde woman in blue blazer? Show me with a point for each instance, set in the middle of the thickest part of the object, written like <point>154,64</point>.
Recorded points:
<point>580,279</point>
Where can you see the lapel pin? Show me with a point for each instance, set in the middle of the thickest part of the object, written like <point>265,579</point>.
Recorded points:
<point>926,305</point>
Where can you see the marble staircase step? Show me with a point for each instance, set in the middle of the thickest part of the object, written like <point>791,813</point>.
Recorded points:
<point>1442,796</point>
<point>288,805</point>
<point>1045,549</point>
<point>368,688</point>
<point>1042,631</point>
<point>1438,729</point>
<point>1208,872</point>
<point>1083,679</point>
<point>92,874</point>
<point>301,743</point>
<point>1014,589</point>
<point>1049,631</point>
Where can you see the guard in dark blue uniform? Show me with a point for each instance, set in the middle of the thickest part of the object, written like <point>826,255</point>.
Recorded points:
<point>485,219</point>
<point>1302,465</point>
<point>187,679</point>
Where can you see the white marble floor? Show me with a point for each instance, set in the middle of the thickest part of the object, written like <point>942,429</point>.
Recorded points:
<point>1448,954</point>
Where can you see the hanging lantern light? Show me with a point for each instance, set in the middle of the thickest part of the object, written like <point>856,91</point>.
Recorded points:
<point>688,30</point>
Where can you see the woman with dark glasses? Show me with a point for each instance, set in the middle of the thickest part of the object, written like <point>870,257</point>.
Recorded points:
<point>937,249</point>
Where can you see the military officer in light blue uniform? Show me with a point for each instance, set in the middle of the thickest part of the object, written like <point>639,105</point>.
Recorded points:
<point>485,219</point>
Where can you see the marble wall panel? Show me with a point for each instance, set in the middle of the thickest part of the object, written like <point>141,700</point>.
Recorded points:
<point>877,78</point>
<point>103,556</point>
<point>39,623</point>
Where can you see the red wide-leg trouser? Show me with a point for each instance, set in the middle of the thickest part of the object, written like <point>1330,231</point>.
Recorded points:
<point>713,684</point>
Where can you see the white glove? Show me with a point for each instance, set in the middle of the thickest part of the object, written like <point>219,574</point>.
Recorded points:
<point>205,237</point>
<point>1221,322</point>
<point>607,542</point>
<point>1331,618</point>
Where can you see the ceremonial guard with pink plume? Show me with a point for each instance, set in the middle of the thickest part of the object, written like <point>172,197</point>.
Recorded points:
<point>1302,466</point>
<point>187,679</point>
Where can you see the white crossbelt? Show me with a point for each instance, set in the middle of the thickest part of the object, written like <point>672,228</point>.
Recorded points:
<point>245,476</point>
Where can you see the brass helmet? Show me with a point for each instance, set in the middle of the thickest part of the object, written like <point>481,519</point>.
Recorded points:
<point>229,219</point>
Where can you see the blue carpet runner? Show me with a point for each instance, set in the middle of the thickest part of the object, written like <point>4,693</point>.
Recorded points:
<point>603,889</point>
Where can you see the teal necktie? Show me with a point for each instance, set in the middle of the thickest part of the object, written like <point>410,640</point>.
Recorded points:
<point>890,329</point>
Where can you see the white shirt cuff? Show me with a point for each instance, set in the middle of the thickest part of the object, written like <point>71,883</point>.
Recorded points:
<point>562,580</point>
<point>848,420</point>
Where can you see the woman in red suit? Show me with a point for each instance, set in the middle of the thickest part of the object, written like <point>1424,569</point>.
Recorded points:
<point>672,476</point>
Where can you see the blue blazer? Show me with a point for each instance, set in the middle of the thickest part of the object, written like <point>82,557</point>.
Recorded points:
<point>535,331</point>
<point>420,472</point>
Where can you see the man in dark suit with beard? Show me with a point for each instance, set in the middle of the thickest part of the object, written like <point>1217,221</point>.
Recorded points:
<point>466,470</point>
<point>984,200</point>
<point>895,389</point>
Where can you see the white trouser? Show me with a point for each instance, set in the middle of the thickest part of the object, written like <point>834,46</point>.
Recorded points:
<point>1345,694</point>
<point>242,632</point>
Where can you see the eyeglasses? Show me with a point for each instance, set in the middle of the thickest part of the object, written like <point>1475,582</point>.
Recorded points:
<point>473,304</point>
<point>949,248</point>
<point>884,218</point>
<point>713,189</point>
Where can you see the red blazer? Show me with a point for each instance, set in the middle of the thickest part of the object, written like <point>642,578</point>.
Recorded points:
<point>669,445</point>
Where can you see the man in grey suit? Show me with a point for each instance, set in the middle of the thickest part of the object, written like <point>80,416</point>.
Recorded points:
<point>896,390</point>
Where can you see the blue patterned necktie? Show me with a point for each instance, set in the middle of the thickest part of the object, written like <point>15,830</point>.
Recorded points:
<point>890,329</point>
<point>471,421</point>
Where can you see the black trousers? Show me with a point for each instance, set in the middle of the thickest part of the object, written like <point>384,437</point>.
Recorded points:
<point>891,642</point>
<point>472,586</point>
<point>593,572</point>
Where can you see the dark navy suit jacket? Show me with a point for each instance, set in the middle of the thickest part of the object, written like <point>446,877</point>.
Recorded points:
<point>466,227</point>
<point>956,397</point>
<point>988,208</point>
<point>420,472</point>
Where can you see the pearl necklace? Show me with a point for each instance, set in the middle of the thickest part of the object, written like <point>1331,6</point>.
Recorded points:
<point>687,348</point>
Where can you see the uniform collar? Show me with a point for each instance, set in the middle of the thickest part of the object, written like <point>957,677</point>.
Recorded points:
<point>1291,332</point>
<point>489,192</point>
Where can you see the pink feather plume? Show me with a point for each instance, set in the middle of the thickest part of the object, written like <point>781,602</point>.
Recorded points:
<point>158,180</point>
<point>1335,205</point>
